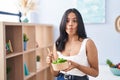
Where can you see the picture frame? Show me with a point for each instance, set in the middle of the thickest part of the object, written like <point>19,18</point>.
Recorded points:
<point>92,11</point>
<point>117,24</point>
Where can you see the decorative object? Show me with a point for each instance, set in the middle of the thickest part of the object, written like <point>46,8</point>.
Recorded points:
<point>33,16</point>
<point>24,19</point>
<point>38,61</point>
<point>9,48</point>
<point>93,11</point>
<point>25,46</point>
<point>25,40</point>
<point>117,24</point>
<point>25,7</point>
<point>115,71</point>
<point>114,68</point>
<point>26,71</point>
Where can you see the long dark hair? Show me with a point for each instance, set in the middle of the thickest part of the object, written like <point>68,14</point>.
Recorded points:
<point>63,38</point>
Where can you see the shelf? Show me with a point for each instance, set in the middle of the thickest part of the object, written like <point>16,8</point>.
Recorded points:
<point>27,51</point>
<point>30,32</point>
<point>14,34</point>
<point>10,55</point>
<point>42,68</point>
<point>44,37</point>
<point>45,46</point>
<point>29,76</point>
<point>19,64</point>
<point>29,60</point>
<point>15,67</point>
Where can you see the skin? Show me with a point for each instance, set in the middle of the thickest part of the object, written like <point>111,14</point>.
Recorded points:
<point>74,44</point>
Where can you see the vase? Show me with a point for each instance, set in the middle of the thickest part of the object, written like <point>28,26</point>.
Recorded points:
<point>33,17</point>
<point>24,18</point>
<point>25,46</point>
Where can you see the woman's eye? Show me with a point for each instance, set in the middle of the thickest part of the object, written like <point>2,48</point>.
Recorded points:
<point>67,20</point>
<point>74,20</point>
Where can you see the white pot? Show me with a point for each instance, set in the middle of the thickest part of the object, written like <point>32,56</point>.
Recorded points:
<point>38,65</point>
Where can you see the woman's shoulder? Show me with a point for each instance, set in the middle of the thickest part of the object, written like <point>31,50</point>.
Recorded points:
<point>90,42</point>
<point>87,40</point>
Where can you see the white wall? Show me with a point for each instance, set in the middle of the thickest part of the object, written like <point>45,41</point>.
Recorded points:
<point>105,36</point>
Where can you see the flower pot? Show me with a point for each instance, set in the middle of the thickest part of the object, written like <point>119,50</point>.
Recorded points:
<point>25,46</point>
<point>38,64</point>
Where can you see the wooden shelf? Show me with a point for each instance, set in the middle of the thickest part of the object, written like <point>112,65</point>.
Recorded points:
<point>40,38</point>
<point>10,55</point>
<point>30,75</point>
<point>14,34</point>
<point>15,65</point>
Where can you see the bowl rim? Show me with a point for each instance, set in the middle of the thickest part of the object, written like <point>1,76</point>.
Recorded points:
<point>115,71</point>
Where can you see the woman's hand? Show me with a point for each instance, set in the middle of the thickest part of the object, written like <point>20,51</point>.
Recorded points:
<point>71,65</point>
<point>49,58</point>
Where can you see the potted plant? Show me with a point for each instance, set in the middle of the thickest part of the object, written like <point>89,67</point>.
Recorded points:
<point>25,39</point>
<point>38,61</point>
<point>25,7</point>
<point>38,58</point>
<point>8,69</point>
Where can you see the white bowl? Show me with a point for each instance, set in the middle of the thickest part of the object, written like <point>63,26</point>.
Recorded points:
<point>115,71</point>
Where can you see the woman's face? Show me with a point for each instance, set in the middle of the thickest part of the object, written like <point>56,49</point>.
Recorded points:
<point>71,24</point>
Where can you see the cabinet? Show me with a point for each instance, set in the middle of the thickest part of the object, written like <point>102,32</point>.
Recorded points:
<point>12,64</point>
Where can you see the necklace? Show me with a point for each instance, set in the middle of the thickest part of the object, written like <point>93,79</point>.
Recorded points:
<point>70,50</point>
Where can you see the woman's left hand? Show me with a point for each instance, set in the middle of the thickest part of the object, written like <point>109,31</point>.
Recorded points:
<point>71,65</point>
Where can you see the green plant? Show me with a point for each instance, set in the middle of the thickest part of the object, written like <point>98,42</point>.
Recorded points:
<point>38,58</point>
<point>109,62</point>
<point>8,69</point>
<point>25,38</point>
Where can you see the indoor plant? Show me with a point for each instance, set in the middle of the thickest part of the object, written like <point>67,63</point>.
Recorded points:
<point>8,69</point>
<point>25,6</point>
<point>38,61</point>
<point>114,68</point>
<point>25,39</point>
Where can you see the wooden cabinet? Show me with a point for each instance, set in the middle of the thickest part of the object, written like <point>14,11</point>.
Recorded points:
<point>13,65</point>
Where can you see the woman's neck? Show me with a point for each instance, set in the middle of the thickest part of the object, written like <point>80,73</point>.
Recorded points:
<point>72,38</point>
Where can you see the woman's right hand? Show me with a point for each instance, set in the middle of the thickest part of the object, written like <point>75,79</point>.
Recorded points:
<point>49,58</point>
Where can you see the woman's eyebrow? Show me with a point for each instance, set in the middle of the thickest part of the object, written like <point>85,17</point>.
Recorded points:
<point>72,18</point>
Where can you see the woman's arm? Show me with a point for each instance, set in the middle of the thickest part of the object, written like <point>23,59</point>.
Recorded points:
<point>50,57</point>
<point>92,56</point>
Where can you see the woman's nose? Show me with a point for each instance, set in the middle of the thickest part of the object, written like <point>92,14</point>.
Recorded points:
<point>70,23</point>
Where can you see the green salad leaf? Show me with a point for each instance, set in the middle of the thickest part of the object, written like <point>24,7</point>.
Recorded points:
<point>59,60</point>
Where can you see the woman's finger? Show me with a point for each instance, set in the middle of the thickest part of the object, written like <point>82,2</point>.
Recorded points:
<point>48,50</point>
<point>48,60</point>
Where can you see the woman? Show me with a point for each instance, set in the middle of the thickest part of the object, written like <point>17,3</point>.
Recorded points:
<point>73,45</point>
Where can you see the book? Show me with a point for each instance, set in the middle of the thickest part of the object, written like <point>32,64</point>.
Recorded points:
<point>9,47</point>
